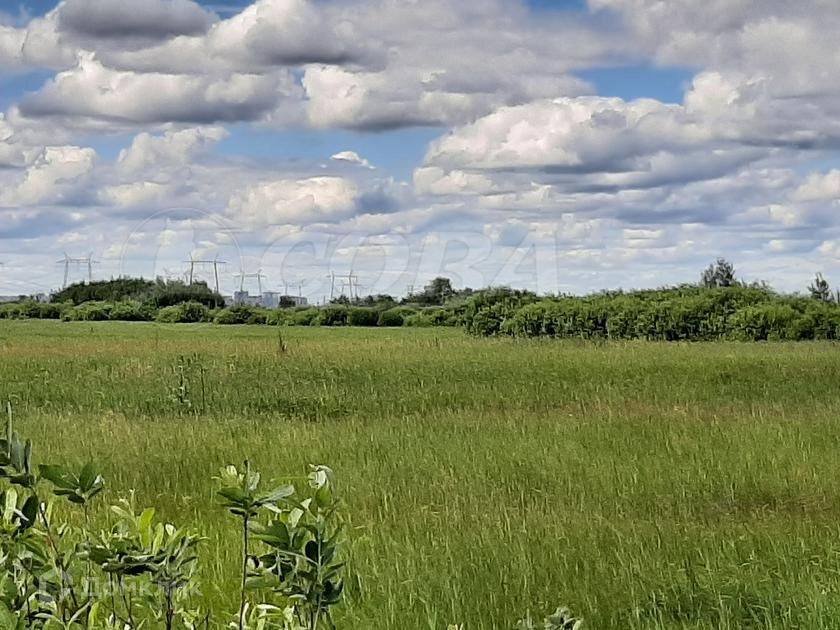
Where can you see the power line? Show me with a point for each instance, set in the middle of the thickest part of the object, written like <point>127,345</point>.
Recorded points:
<point>78,263</point>
<point>259,275</point>
<point>193,263</point>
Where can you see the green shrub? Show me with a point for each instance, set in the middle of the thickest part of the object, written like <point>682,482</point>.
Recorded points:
<point>395,317</point>
<point>765,322</point>
<point>29,309</point>
<point>431,317</point>
<point>186,313</point>
<point>486,312</point>
<point>675,314</point>
<point>132,312</point>
<point>418,320</point>
<point>360,316</point>
<point>233,315</point>
<point>333,315</point>
<point>9,310</point>
<point>306,316</point>
<point>89,312</point>
<point>279,317</point>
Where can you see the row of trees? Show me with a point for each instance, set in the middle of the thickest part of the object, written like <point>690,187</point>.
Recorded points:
<point>439,292</point>
<point>721,274</point>
<point>155,293</point>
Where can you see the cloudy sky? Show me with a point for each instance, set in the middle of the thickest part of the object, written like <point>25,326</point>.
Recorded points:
<point>556,145</point>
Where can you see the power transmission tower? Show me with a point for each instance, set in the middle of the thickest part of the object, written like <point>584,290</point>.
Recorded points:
<point>351,284</point>
<point>286,286</point>
<point>331,276</point>
<point>78,263</point>
<point>259,276</point>
<point>199,264</point>
<point>169,275</point>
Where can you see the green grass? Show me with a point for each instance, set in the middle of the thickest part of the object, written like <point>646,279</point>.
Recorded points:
<point>644,485</point>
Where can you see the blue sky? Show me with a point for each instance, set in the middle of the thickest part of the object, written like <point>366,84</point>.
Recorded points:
<point>550,144</point>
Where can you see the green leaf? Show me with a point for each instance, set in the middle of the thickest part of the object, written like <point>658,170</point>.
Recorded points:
<point>58,476</point>
<point>278,494</point>
<point>87,477</point>
<point>30,511</point>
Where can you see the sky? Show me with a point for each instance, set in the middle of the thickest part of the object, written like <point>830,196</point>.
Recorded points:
<point>551,145</point>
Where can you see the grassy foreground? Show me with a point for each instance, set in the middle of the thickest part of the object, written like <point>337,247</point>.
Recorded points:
<point>645,485</point>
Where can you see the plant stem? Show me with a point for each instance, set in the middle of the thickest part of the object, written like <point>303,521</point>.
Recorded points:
<point>169,612</point>
<point>58,560</point>
<point>245,522</point>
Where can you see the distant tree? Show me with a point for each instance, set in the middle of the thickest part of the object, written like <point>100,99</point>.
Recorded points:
<point>436,293</point>
<point>380,300</point>
<point>158,293</point>
<point>820,290</point>
<point>440,289</point>
<point>721,273</point>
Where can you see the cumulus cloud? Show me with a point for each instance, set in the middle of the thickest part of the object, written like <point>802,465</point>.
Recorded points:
<point>92,92</point>
<point>614,191</point>
<point>173,148</point>
<point>582,146</point>
<point>302,201</point>
<point>53,177</point>
<point>150,19</point>
<point>820,187</point>
<point>769,70</point>
<point>371,65</point>
<point>37,44</point>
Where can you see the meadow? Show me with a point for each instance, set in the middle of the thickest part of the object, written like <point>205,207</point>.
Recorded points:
<point>643,484</point>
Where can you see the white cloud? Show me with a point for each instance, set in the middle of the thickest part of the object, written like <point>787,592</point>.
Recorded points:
<point>302,201</point>
<point>93,92</point>
<point>820,187</point>
<point>350,157</point>
<point>53,177</point>
<point>173,148</point>
<point>149,19</point>
<point>375,64</point>
<point>134,194</point>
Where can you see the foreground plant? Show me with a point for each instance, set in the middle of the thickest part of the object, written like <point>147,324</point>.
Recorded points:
<point>295,573</point>
<point>561,619</point>
<point>140,572</point>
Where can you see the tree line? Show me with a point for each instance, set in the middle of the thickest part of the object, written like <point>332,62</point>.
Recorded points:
<point>719,306</point>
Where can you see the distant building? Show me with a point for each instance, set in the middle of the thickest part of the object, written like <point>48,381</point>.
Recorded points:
<point>36,297</point>
<point>273,299</point>
<point>269,299</point>
<point>243,298</point>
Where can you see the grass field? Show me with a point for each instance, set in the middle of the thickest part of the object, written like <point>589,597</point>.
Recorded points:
<point>644,485</point>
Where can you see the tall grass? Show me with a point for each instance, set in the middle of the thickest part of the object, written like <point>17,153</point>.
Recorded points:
<point>645,485</point>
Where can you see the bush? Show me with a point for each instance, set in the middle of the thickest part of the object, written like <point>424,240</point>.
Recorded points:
<point>432,317</point>
<point>132,312</point>
<point>486,312</point>
<point>28,309</point>
<point>359,316</point>
<point>187,313</point>
<point>333,315</point>
<point>395,317</point>
<point>89,312</point>
<point>418,320</point>
<point>234,315</point>
<point>766,322</point>
<point>303,316</point>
